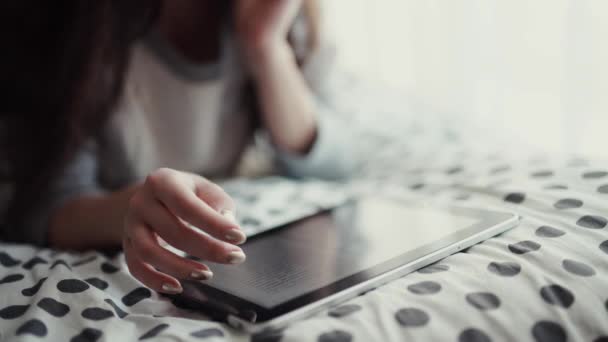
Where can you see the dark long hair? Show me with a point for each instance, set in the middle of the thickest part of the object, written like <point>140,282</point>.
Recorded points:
<point>62,69</point>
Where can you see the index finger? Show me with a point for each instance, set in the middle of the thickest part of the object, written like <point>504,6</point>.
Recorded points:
<point>180,199</point>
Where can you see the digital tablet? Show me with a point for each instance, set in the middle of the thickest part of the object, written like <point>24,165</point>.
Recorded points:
<point>322,260</point>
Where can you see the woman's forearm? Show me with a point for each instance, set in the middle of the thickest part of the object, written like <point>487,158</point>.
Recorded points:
<point>287,103</point>
<point>91,221</point>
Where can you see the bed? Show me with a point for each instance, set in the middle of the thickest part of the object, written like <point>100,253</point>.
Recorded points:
<point>545,280</point>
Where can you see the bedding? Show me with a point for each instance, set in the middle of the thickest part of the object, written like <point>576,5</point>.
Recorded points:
<point>545,280</point>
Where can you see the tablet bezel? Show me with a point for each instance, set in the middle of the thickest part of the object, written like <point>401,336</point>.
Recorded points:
<point>217,302</point>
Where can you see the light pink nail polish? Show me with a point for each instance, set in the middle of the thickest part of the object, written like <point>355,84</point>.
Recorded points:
<point>236,236</point>
<point>201,274</point>
<point>171,289</point>
<point>236,257</point>
<point>229,214</point>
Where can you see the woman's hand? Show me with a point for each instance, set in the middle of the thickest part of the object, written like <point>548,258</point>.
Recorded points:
<point>262,26</point>
<point>191,214</point>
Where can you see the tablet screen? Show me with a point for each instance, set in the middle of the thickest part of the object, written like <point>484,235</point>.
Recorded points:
<point>322,249</point>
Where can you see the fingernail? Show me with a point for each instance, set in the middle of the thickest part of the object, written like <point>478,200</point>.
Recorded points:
<point>236,236</point>
<point>229,214</point>
<point>236,257</point>
<point>171,289</point>
<point>201,274</point>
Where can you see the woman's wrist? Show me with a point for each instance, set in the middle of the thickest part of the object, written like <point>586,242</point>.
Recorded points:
<point>90,221</point>
<point>264,59</point>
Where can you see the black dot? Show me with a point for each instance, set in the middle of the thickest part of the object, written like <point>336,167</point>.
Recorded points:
<point>542,174</point>
<point>462,197</point>
<point>87,335</point>
<point>119,312</point>
<point>335,336</point>
<point>344,310</point>
<point>13,311</point>
<point>34,289</point>
<point>154,331</point>
<point>557,295</point>
<point>435,268</point>
<point>595,174</point>
<point>136,296</point>
<point>547,331</point>
<point>454,170</point>
<point>7,260</point>
<point>425,287</point>
<point>515,197</point>
<point>549,232</point>
<point>11,278</point>
<point>601,339</point>
<point>250,198</point>
<point>28,265</point>
<point>108,268</point>
<point>417,186</point>
<point>412,317</point>
<point>603,189</point>
<point>250,221</point>
<point>604,246</point>
<point>208,332</point>
<point>473,335</point>
<point>523,247</point>
<point>84,261</point>
<point>72,286</point>
<point>578,268</point>
<point>568,203</point>
<point>505,269</point>
<point>275,211</point>
<point>98,283</point>
<point>556,187</point>
<point>96,314</point>
<point>483,300</point>
<point>268,335</point>
<point>592,222</point>
<point>62,263</point>
<point>53,307</point>
<point>34,327</point>
<point>500,169</point>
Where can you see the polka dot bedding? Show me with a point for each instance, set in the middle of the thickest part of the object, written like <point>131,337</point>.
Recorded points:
<point>545,280</point>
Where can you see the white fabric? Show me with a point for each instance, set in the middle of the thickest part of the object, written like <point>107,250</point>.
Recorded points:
<point>169,120</point>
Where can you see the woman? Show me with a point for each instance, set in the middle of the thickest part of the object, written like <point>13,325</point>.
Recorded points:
<point>117,107</point>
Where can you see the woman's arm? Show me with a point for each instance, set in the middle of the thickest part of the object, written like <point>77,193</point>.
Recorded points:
<point>287,104</point>
<point>90,221</point>
<point>171,206</point>
<point>309,139</point>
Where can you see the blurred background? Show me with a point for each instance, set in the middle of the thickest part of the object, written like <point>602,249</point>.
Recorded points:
<point>536,70</point>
